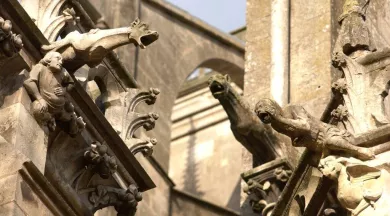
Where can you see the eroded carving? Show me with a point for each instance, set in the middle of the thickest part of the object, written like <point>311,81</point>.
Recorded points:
<point>361,189</point>
<point>102,163</point>
<point>246,127</point>
<point>47,86</point>
<point>90,48</point>
<point>10,43</point>
<point>282,174</point>
<point>340,86</point>
<point>265,184</point>
<point>122,115</point>
<point>149,97</point>
<point>340,113</point>
<point>257,193</point>
<point>51,20</point>
<point>125,201</point>
<point>306,131</point>
<point>364,69</point>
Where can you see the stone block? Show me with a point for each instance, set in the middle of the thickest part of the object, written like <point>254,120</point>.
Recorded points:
<point>11,209</point>
<point>20,129</point>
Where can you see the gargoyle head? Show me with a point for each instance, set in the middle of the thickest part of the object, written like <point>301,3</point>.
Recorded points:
<point>219,85</point>
<point>266,109</point>
<point>141,35</point>
<point>330,167</point>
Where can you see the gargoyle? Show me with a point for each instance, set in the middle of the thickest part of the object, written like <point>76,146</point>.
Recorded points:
<point>90,48</point>
<point>306,131</point>
<point>47,86</point>
<point>246,127</point>
<point>361,189</point>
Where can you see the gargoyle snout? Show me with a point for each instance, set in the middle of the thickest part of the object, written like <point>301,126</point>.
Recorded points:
<point>147,39</point>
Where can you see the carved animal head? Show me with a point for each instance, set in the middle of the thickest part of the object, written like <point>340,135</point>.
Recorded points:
<point>330,167</point>
<point>141,35</point>
<point>219,85</point>
<point>266,109</point>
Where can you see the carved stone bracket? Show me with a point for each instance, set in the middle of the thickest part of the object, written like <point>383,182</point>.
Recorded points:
<point>129,121</point>
<point>10,43</point>
<point>264,185</point>
<point>149,97</point>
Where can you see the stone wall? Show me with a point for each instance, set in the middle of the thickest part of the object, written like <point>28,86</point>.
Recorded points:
<point>183,204</point>
<point>205,157</point>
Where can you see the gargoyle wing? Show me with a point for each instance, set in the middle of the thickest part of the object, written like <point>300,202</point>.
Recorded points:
<point>373,185</point>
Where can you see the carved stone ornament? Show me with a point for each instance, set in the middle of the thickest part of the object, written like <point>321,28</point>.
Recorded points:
<point>51,20</point>
<point>256,137</point>
<point>47,87</point>
<point>282,175</point>
<point>10,43</point>
<point>124,118</point>
<point>340,87</point>
<point>306,131</point>
<point>90,48</point>
<point>103,164</point>
<point>265,184</point>
<point>340,113</point>
<point>125,201</point>
<point>361,189</point>
<point>257,193</point>
<point>365,70</point>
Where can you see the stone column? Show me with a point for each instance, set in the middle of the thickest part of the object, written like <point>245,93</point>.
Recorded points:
<point>280,50</point>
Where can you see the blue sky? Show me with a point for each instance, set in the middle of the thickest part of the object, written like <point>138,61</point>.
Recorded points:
<point>226,15</point>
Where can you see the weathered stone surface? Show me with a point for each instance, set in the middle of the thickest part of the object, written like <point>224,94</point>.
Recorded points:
<point>202,149</point>
<point>21,130</point>
<point>155,202</point>
<point>47,86</point>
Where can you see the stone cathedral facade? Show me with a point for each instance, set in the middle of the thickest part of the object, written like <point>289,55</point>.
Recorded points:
<point>87,100</point>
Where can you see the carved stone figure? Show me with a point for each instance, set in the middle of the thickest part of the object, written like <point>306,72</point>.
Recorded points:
<point>361,189</point>
<point>306,131</point>
<point>10,43</point>
<point>47,86</point>
<point>105,165</point>
<point>90,48</point>
<point>246,127</point>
